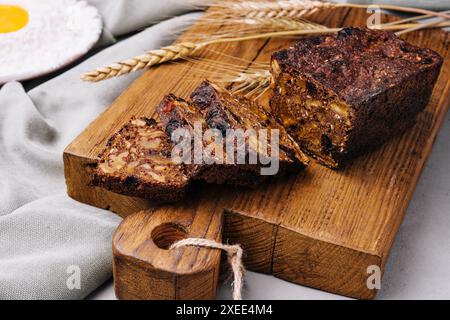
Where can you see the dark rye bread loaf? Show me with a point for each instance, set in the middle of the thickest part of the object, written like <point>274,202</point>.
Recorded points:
<point>137,162</point>
<point>342,95</point>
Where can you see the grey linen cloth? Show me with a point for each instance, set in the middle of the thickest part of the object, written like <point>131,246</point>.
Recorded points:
<point>46,238</point>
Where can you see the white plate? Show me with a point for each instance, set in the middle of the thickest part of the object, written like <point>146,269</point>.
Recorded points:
<point>57,34</point>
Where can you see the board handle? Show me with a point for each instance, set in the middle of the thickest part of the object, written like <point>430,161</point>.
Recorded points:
<point>145,268</point>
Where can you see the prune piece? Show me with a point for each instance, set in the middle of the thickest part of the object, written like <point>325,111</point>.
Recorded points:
<point>173,125</point>
<point>344,33</point>
<point>215,120</point>
<point>327,145</point>
<point>150,121</point>
<point>130,181</point>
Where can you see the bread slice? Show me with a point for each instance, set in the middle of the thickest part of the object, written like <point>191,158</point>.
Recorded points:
<point>223,110</point>
<point>176,113</point>
<point>137,162</point>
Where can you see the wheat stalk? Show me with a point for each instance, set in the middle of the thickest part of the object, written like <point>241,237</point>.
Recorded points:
<point>250,17</point>
<point>250,81</point>
<point>146,60</point>
<point>263,18</point>
<point>301,7</point>
<point>413,19</point>
<point>420,26</point>
<point>187,49</point>
<point>252,85</point>
<point>231,28</point>
<point>255,81</point>
<point>282,14</point>
<point>279,22</point>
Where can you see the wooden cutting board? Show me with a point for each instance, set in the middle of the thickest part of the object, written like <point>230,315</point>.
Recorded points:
<point>320,228</point>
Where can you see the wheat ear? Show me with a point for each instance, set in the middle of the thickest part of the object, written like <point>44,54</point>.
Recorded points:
<point>252,84</point>
<point>271,10</point>
<point>300,7</point>
<point>275,9</point>
<point>187,49</point>
<point>175,52</point>
<point>146,60</point>
<point>254,9</point>
<point>251,17</point>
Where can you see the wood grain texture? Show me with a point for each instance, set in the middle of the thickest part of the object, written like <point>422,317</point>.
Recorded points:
<point>320,228</point>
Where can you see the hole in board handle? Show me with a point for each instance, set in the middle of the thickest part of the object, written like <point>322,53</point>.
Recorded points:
<point>167,234</point>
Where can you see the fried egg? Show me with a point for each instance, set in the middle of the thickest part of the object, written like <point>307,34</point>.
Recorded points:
<point>41,36</point>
